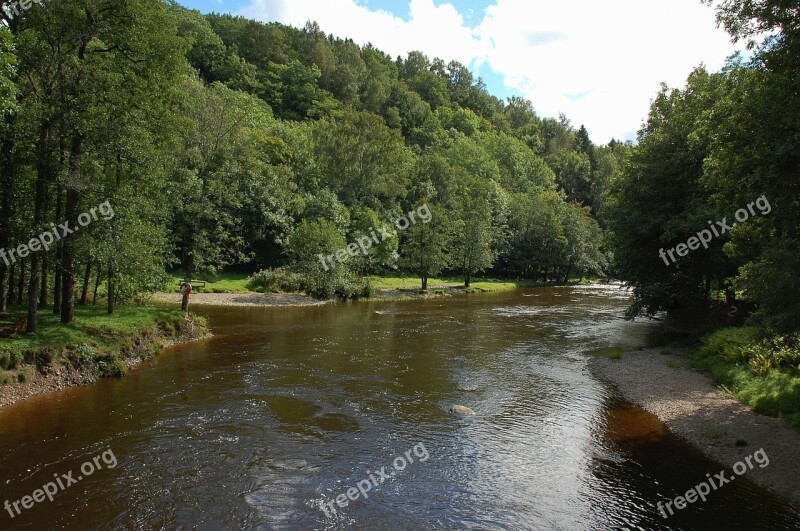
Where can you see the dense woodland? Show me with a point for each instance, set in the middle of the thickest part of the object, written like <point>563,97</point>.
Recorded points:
<point>707,150</point>
<point>223,142</point>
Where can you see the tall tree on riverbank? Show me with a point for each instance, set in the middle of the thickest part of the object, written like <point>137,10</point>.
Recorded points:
<point>8,103</point>
<point>426,249</point>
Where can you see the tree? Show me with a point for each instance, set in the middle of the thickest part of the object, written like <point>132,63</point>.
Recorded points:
<point>221,151</point>
<point>362,160</point>
<point>659,201</point>
<point>472,240</point>
<point>425,246</point>
<point>7,156</point>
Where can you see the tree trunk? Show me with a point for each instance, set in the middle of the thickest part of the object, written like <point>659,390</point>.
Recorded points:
<point>71,213</point>
<point>39,208</point>
<point>7,175</point>
<point>467,280</point>
<point>111,289</point>
<point>45,282</point>
<point>4,288</point>
<point>59,270</point>
<point>12,275</point>
<point>424,282</point>
<point>21,284</point>
<point>87,277</point>
<point>569,270</point>
<point>96,286</point>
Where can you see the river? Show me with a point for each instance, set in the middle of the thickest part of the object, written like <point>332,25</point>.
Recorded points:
<point>268,423</point>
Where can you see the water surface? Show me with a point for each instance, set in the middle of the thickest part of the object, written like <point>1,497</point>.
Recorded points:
<point>286,408</point>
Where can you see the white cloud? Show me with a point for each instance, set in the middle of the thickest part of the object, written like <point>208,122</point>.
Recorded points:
<point>600,63</point>
<point>438,31</point>
<point>613,54</point>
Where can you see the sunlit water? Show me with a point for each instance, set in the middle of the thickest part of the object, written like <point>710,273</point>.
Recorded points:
<point>284,410</point>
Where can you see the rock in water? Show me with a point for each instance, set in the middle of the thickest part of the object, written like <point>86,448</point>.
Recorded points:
<point>461,410</point>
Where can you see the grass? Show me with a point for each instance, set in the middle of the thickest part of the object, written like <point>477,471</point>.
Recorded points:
<point>774,392</point>
<point>95,339</point>
<point>234,282</point>
<point>612,353</point>
<point>226,282</point>
<point>410,283</point>
<point>414,283</point>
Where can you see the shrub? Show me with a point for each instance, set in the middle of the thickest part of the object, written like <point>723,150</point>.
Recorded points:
<point>730,343</point>
<point>275,281</point>
<point>110,367</point>
<point>338,283</point>
<point>778,351</point>
<point>82,355</point>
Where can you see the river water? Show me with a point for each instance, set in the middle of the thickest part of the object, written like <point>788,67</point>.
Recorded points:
<point>268,423</point>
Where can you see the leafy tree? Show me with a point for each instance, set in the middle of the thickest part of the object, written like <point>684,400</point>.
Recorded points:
<point>382,255</point>
<point>362,160</point>
<point>425,249</point>
<point>660,201</point>
<point>472,240</point>
<point>221,149</point>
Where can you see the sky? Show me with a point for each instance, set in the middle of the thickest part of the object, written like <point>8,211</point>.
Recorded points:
<point>600,63</point>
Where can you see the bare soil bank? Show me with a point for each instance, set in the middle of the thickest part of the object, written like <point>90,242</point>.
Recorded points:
<point>61,375</point>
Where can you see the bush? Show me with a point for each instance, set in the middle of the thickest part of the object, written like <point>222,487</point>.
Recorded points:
<point>275,281</point>
<point>111,367</point>
<point>82,356</point>
<point>338,283</point>
<point>730,343</point>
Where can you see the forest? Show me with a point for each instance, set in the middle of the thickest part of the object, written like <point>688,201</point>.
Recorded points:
<point>222,142</point>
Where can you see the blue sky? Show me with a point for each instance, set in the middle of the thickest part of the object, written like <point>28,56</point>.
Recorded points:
<point>599,63</point>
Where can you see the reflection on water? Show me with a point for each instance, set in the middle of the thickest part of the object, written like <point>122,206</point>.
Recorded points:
<point>285,409</point>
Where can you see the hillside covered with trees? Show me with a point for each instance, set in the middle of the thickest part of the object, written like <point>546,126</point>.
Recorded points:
<point>224,142</point>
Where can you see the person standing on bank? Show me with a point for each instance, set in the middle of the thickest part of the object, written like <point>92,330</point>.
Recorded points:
<point>186,290</point>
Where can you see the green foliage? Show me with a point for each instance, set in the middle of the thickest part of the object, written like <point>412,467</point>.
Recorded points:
<point>8,62</point>
<point>275,281</point>
<point>426,245</point>
<point>762,373</point>
<point>222,141</point>
<point>706,151</point>
<point>312,239</point>
<point>730,343</point>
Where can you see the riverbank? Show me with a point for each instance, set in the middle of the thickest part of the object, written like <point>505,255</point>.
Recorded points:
<point>97,346</point>
<point>692,407</point>
<point>231,290</point>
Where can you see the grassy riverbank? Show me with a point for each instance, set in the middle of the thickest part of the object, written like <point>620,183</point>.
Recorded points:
<point>97,345</point>
<point>763,373</point>
<point>238,283</point>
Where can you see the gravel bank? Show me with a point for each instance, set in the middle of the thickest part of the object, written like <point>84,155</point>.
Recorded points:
<point>239,299</point>
<point>693,408</point>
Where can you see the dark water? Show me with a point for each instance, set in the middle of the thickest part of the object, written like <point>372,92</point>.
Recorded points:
<point>286,409</point>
